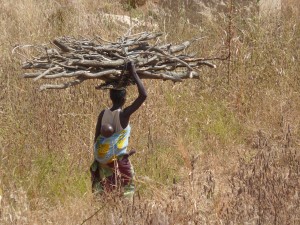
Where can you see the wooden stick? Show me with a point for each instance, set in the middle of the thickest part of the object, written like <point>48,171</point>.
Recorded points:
<point>63,47</point>
<point>99,64</point>
<point>47,72</point>
<point>61,86</point>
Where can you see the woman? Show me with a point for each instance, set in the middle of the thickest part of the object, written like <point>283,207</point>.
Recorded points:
<point>110,150</point>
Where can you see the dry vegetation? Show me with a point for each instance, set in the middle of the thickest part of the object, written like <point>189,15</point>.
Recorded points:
<point>223,149</point>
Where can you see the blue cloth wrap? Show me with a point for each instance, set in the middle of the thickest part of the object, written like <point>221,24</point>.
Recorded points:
<point>108,149</point>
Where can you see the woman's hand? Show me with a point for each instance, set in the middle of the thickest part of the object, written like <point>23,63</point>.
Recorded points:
<point>131,67</point>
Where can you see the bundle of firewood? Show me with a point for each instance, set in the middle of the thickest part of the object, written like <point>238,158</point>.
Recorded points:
<point>76,60</point>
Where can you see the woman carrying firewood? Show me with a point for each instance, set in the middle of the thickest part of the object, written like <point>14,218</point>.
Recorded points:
<point>111,168</point>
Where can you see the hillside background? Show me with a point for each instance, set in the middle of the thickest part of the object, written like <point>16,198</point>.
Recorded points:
<point>223,149</point>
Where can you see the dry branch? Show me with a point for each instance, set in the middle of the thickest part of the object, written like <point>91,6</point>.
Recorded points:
<point>82,59</point>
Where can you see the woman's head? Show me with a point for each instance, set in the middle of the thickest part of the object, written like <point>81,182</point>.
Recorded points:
<point>118,96</point>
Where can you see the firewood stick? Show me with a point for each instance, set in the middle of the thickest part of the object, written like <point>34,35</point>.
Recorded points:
<point>63,47</point>
<point>85,74</point>
<point>61,86</point>
<point>97,64</point>
<point>47,72</point>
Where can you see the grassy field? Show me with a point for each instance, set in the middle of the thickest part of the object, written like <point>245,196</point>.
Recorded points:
<point>223,149</point>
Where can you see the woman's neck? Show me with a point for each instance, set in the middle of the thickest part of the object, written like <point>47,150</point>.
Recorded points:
<point>114,107</point>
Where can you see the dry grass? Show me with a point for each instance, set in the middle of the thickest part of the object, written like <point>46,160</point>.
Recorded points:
<point>221,150</point>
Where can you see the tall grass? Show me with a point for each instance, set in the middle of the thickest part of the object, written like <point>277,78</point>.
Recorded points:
<point>209,151</point>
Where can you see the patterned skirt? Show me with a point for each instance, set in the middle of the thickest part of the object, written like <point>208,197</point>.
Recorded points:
<point>115,176</point>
